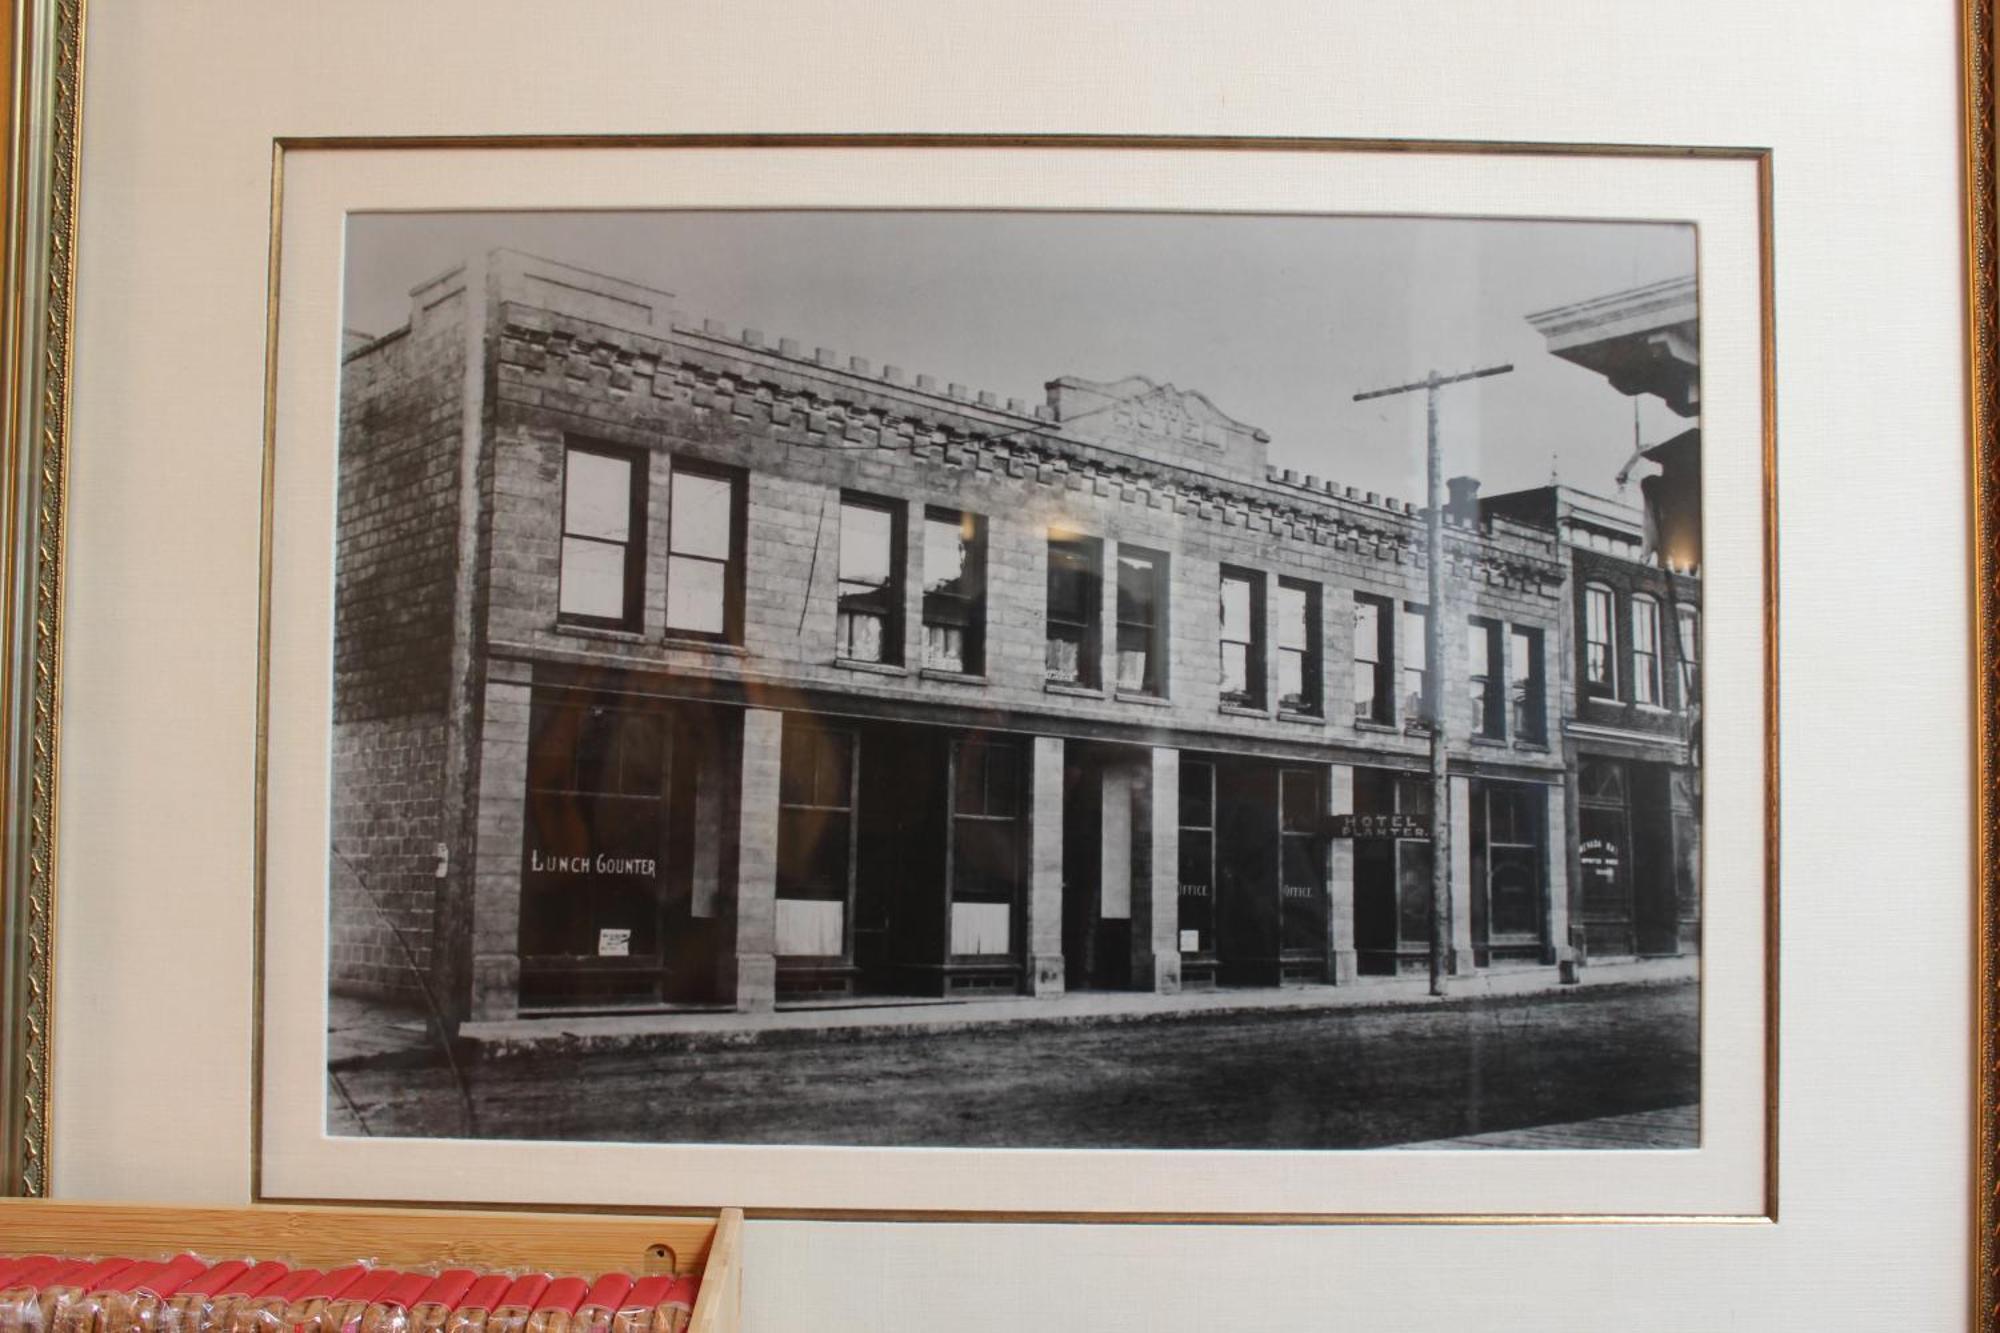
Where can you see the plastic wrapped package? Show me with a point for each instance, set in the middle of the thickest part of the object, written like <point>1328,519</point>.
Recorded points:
<point>557,1306</point>
<point>183,1310</point>
<point>24,1287</point>
<point>390,1311</point>
<point>139,1301</point>
<point>635,1313</point>
<point>49,1310</point>
<point>676,1309</point>
<point>262,1312</point>
<point>599,1304</point>
<point>339,1307</point>
<point>472,1312</point>
<point>215,1313</point>
<point>432,1310</point>
<point>517,1305</point>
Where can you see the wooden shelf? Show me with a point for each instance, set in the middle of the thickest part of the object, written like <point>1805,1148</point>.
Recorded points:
<point>588,1243</point>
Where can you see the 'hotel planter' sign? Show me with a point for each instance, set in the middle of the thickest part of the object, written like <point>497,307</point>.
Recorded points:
<point>1414,827</point>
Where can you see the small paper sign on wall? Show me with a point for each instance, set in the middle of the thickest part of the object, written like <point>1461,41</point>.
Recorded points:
<point>614,943</point>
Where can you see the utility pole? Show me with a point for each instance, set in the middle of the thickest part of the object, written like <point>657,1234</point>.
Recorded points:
<point>1441,922</point>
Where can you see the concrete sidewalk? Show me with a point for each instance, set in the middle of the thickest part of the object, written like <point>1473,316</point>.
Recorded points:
<point>1676,1127</point>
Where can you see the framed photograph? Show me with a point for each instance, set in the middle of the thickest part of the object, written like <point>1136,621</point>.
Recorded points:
<point>824,750</point>
<point>1011,660</point>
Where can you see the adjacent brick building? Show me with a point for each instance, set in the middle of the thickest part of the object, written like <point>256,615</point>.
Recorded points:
<point>679,666</point>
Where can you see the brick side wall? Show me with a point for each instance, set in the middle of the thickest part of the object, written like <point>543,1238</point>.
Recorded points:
<point>401,404</point>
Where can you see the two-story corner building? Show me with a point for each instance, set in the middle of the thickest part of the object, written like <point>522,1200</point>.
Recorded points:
<point>676,665</point>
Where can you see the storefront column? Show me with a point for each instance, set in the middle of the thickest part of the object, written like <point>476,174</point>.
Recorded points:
<point>1045,869</point>
<point>1340,954</point>
<point>1156,900</point>
<point>496,864</point>
<point>757,863</point>
<point>1555,855</point>
<point>1461,877</point>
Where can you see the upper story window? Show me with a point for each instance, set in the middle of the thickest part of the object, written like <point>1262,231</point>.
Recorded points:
<point>705,552</point>
<point>1298,647</point>
<point>1417,699</point>
<point>1525,686</point>
<point>1142,621</point>
<point>1074,605</point>
<point>1688,619</point>
<point>1373,654</point>
<point>954,591</point>
<point>869,625</point>
<point>603,547</point>
<point>1483,671</point>
<point>1646,651</point>
<point>1600,641</point>
<point>1242,638</point>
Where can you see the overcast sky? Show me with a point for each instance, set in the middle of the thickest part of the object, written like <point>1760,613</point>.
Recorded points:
<point>1279,320</point>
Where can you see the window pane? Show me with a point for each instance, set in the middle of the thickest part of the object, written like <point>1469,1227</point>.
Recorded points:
<point>1690,632</point>
<point>597,498</point>
<point>1291,678</point>
<point>1416,640</point>
<point>1072,582</point>
<point>944,553</point>
<point>1135,659</point>
<point>969,797</point>
<point>1235,608</point>
<point>835,770</point>
<point>694,595</point>
<point>795,767</point>
<point>1003,781</point>
<point>865,544</point>
<point>944,647</point>
<point>1235,668</point>
<point>1298,801</point>
<point>1064,661</point>
<point>860,636</point>
<point>700,517</point>
<point>1197,795</point>
<point>1645,625</point>
<point>1137,589</point>
<point>593,579</point>
<point>1292,617</point>
<point>1367,631</point>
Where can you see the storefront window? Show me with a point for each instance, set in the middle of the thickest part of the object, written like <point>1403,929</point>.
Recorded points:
<point>954,591</point>
<point>594,834</point>
<point>815,840</point>
<point>1302,861</point>
<point>869,627</point>
<point>1510,843</point>
<point>1197,871</point>
<point>987,797</point>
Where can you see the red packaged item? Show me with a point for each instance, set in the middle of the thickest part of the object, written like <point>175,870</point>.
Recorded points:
<point>677,1308</point>
<point>308,1308</point>
<point>390,1312</point>
<point>260,1313</point>
<point>557,1306</point>
<point>81,1313</point>
<point>57,1295</point>
<point>432,1310</point>
<point>635,1312</point>
<point>476,1306</point>
<point>182,1307</point>
<point>20,1303</point>
<point>600,1303</point>
<point>11,1269</point>
<point>517,1304</point>
<point>342,1307</point>
<point>215,1313</point>
<point>140,1304</point>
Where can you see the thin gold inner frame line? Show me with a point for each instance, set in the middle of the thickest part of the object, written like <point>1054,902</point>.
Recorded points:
<point>1761,158</point>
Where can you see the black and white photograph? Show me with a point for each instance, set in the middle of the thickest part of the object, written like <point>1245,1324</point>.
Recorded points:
<point>1017,680</point>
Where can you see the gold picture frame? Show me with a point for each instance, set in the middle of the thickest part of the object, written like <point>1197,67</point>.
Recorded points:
<point>44,146</point>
